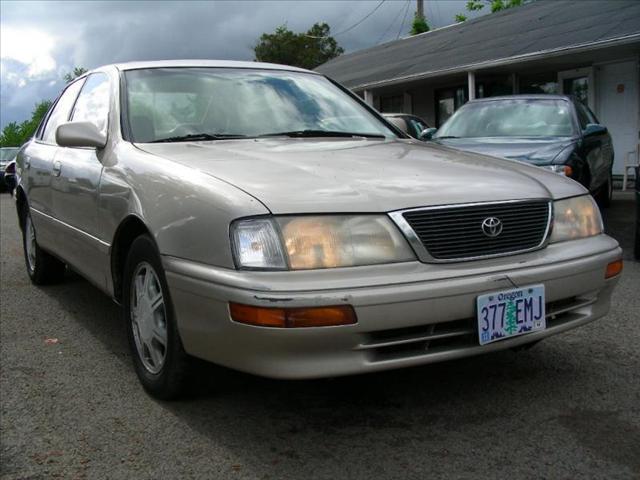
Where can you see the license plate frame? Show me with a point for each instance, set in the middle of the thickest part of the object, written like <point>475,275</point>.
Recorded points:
<point>509,313</point>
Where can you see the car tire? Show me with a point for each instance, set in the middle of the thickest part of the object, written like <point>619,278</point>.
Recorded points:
<point>159,359</point>
<point>42,267</point>
<point>605,193</point>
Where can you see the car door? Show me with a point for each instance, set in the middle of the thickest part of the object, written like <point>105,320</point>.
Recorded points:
<point>595,149</point>
<point>36,164</point>
<point>75,182</point>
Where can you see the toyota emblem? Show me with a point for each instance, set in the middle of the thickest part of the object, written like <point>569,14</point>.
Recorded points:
<point>492,227</point>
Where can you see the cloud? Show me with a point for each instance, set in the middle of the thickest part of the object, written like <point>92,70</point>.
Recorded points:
<point>41,41</point>
<point>29,46</point>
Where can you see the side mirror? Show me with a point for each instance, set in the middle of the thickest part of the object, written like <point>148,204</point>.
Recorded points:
<point>594,129</point>
<point>427,134</point>
<point>80,134</point>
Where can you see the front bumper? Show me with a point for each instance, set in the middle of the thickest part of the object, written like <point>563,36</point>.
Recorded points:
<point>408,314</point>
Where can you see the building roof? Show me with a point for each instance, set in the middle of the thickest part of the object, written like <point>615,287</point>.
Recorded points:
<point>533,30</point>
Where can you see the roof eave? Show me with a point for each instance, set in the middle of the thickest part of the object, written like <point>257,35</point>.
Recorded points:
<point>584,47</point>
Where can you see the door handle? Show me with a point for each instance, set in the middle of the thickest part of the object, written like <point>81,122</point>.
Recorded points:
<point>57,168</point>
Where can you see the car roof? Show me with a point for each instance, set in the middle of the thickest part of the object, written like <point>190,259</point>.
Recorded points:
<point>205,63</point>
<point>530,96</point>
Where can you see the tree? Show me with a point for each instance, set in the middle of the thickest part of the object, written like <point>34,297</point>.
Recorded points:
<point>77,72</point>
<point>11,136</point>
<point>305,50</point>
<point>419,25</point>
<point>14,134</point>
<point>496,6</point>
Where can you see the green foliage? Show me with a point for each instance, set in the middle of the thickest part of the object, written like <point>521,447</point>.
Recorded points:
<point>77,72</point>
<point>14,134</point>
<point>11,136</point>
<point>419,24</point>
<point>305,50</point>
<point>495,5</point>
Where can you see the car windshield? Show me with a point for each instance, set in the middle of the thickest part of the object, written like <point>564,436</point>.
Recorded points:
<point>510,118</point>
<point>209,103</point>
<point>7,154</point>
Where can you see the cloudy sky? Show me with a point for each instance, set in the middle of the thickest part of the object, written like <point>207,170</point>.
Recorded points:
<point>41,41</point>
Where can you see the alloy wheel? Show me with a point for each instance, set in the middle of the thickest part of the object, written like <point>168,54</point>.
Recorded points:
<point>148,318</point>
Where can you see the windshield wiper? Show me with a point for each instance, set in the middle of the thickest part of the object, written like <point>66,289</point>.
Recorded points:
<point>321,133</point>
<point>445,137</point>
<point>194,137</point>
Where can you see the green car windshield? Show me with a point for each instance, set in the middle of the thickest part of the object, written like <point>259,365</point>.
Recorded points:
<point>510,118</point>
<point>169,103</point>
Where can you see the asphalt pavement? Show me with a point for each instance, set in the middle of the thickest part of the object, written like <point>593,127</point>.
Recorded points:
<point>71,406</point>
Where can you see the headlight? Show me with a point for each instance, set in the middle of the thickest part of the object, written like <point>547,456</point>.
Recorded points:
<point>318,241</point>
<point>574,218</point>
<point>256,245</point>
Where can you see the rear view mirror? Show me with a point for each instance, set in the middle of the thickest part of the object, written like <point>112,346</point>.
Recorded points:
<point>594,129</point>
<point>427,134</point>
<point>80,134</point>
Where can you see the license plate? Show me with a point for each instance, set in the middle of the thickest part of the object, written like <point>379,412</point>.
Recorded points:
<point>510,313</point>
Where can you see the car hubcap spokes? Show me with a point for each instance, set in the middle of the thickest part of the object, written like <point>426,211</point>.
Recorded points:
<point>30,244</point>
<point>148,318</point>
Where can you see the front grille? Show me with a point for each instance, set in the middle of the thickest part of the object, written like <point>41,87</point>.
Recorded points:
<point>456,232</point>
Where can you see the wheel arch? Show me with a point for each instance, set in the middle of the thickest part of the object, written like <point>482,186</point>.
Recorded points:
<point>130,228</point>
<point>22,204</point>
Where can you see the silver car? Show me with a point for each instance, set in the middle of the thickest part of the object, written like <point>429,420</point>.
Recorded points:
<point>264,218</point>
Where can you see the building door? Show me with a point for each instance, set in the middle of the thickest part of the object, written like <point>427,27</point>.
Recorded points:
<point>618,107</point>
<point>448,100</point>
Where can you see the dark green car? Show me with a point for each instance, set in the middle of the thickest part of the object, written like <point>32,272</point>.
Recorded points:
<point>555,132</point>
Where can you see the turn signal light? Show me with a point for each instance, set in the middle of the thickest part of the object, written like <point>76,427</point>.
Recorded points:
<point>568,171</point>
<point>613,269</point>
<point>293,317</point>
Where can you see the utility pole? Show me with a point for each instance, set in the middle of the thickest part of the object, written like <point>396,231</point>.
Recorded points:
<point>420,9</point>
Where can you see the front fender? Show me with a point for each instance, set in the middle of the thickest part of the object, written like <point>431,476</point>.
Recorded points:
<point>187,212</point>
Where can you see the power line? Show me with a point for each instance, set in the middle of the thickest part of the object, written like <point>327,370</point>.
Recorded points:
<point>403,19</point>
<point>392,22</point>
<point>355,24</point>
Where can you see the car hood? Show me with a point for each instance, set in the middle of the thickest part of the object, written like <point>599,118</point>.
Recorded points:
<point>537,151</point>
<point>361,175</point>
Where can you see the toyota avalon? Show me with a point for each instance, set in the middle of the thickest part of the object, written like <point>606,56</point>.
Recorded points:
<point>264,218</point>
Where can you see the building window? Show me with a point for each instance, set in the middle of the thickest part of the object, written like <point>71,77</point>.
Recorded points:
<point>578,87</point>
<point>493,86</point>
<point>392,104</point>
<point>539,83</point>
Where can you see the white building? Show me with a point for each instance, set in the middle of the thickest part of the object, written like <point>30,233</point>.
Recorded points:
<point>590,49</point>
